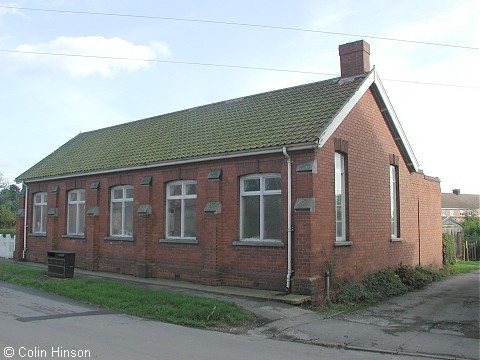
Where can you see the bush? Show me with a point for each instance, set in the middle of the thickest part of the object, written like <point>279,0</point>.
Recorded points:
<point>10,232</point>
<point>448,248</point>
<point>374,288</point>
<point>414,278</point>
<point>385,284</point>
<point>348,293</point>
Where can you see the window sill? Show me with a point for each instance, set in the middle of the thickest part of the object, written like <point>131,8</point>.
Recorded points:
<point>38,234</point>
<point>343,243</point>
<point>73,237</point>
<point>395,239</point>
<point>264,243</point>
<point>179,241</point>
<point>119,238</point>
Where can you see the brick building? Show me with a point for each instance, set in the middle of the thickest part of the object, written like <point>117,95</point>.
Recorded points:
<point>267,191</point>
<point>460,206</point>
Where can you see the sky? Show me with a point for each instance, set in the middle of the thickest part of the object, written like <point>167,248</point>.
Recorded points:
<point>144,60</point>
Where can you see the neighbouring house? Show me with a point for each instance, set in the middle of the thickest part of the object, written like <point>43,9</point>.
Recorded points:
<point>268,191</point>
<point>458,206</point>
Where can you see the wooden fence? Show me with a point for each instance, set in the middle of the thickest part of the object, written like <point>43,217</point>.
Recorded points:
<point>472,251</point>
<point>7,246</point>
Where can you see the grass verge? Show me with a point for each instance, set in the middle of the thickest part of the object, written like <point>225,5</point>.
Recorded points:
<point>146,303</point>
<point>465,266</point>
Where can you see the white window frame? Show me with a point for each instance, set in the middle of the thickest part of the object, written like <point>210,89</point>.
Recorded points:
<point>123,201</point>
<point>183,196</point>
<point>78,204</point>
<point>42,228</point>
<point>394,198</point>
<point>261,193</point>
<point>340,189</point>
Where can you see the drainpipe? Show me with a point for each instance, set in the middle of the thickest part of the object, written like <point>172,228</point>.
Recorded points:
<point>289,217</point>
<point>25,223</point>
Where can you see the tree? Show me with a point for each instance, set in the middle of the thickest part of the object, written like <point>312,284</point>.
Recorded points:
<point>471,228</point>
<point>9,195</point>
<point>3,182</point>
<point>7,218</point>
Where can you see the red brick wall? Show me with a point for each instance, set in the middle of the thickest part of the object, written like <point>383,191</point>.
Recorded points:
<point>370,144</point>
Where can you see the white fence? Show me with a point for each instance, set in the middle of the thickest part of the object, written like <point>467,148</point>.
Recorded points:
<point>7,246</point>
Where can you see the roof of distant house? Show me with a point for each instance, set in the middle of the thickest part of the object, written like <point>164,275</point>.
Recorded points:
<point>462,201</point>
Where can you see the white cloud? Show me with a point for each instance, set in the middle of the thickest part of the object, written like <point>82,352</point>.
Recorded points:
<point>90,55</point>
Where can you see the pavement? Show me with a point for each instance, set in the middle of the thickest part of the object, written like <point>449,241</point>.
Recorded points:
<point>439,322</point>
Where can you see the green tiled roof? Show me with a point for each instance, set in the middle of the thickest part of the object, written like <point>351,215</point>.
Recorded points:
<point>288,116</point>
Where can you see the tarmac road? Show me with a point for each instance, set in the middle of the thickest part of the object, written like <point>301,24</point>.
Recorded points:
<point>441,321</point>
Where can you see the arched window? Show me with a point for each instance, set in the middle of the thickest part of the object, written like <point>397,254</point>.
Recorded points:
<point>260,207</point>
<point>181,209</point>
<point>40,213</point>
<point>76,212</point>
<point>121,211</point>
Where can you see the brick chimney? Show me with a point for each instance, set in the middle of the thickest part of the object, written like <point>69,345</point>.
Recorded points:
<point>354,58</point>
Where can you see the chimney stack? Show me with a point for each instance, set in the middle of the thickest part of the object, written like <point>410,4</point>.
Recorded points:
<point>354,58</point>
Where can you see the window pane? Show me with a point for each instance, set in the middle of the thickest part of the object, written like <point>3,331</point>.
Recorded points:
<point>339,229</point>
<point>175,190</point>
<point>73,196</point>
<point>116,218</point>
<point>81,220</point>
<point>81,195</point>
<point>72,219</point>
<point>190,217</point>
<point>128,230</point>
<point>273,217</point>
<point>272,183</point>
<point>251,185</point>
<point>118,193</point>
<point>43,228</point>
<point>174,216</point>
<point>129,193</point>
<point>37,219</point>
<point>190,189</point>
<point>251,217</point>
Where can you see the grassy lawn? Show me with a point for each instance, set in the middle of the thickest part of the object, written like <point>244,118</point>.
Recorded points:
<point>146,303</point>
<point>466,266</point>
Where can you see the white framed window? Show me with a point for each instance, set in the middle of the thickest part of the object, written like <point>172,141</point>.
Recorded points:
<point>394,202</point>
<point>260,207</point>
<point>340,198</point>
<point>40,213</point>
<point>181,209</point>
<point>121,211</point>
<point>444,213</point>
<point>76,212</point>
<point>452,212</point>
<point>462,212</point>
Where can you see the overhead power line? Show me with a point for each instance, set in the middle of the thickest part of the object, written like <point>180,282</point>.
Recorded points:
<point>218,65</point>
<point>230,23</point>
